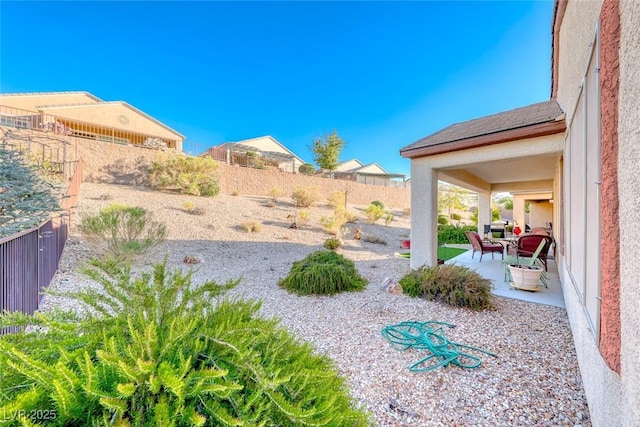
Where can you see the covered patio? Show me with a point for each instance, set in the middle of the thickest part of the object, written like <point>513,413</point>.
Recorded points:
<point>517,151</point>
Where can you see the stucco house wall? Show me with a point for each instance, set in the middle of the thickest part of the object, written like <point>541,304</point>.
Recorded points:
<point>269,144</point>
<point>576,34</point>
<point>608,357</point>
<point>87,115</point>
<point>629,185</point>
<point>113,114</point>
<point>349,165</point>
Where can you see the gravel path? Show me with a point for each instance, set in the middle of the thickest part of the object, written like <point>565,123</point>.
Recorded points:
<point>534,380</point>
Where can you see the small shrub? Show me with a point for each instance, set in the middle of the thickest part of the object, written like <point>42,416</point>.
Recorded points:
<point>251,227</point>
<point>303,216</point>
<point>189,175</point>
<point>456,216</point>
<point>323,272</point>
<point>192,209</point>
<point>456,285</point>
<point>105,196</point>
<point>235,193</point>
<point>336,223</point>
<point>304,197</point>
<point>270,204</point>
<point>388,218</point>
<point>332,244</point>
<point>443,220</point>
<point>275,193</point>
<point>374,213</point>
<point>123,230</point>
<point>307,169</point>
<point>378,203</point>
<point>336,199</point>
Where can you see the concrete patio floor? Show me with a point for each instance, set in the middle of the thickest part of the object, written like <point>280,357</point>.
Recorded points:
<point>493,269</point>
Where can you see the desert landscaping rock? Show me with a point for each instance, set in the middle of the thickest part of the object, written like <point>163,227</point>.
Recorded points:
<point>533,381</point>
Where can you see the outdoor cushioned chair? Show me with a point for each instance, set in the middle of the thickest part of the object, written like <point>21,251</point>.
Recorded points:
<point>540,230</point>
<point>526,246</point>
<point>483,246</point>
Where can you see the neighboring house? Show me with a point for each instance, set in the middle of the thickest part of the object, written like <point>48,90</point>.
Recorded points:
<point>578,156</point>
<point>372,173</point>
<point>84,115</point>
<point>268,148</point>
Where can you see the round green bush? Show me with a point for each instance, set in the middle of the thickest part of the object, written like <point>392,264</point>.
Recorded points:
<point>331,243</point>
<point>323,272</point>
<point>307,169</point>
<point>378,203</point>
<point>454,284</point>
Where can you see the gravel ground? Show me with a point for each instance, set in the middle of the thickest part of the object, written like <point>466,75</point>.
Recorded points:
<point>534,380</point>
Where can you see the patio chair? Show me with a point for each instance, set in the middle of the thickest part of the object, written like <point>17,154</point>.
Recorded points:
<point>540,230</point>
<point>525,260</point>
<point>527,245</point>
<point>483,246</point>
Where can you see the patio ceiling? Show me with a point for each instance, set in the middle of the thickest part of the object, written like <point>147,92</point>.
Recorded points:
<point>536,168</point>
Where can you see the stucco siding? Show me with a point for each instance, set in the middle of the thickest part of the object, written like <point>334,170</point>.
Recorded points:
<point>32,101</point>
<point>372,169</point>
<point>576,34</point>
<point>629,186</point>
<point>115,115</point>
<point>349,165</point>
<point>508,150</point>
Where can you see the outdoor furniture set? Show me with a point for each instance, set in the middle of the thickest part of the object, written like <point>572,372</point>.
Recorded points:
<point>526,259</point>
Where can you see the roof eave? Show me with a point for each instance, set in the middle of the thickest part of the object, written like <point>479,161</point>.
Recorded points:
<point>532,131</point>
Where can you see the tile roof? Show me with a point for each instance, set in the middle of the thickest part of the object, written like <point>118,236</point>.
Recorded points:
<point>543,112</point>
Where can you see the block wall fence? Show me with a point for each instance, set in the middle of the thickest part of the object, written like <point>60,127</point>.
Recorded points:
<point>122,164</point>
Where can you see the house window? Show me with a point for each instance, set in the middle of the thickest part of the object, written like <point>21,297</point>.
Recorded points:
<point>582,194</point>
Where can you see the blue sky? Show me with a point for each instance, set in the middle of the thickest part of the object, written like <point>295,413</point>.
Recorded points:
<point>383,74</point>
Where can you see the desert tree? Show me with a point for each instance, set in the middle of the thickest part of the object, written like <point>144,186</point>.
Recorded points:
<point>326,150</point>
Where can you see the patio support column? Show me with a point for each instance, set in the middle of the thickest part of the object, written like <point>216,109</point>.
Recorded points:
<point>424,218</point>
<point>484,211</point>
<point>518,210</point>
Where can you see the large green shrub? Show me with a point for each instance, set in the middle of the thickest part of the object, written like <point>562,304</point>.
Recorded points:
<point>189,175</point>
<point>124,231</point>
<point>157,350</point>
<point>450,283</point>
<point>454,233</point>
<point>323,272</point>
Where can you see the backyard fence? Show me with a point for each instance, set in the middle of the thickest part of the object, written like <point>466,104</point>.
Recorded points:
<point>29,259</point>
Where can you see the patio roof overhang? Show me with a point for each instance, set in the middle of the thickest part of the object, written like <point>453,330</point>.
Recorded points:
<point>513,151</point>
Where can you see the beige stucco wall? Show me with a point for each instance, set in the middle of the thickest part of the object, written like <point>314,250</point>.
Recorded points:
<point>576,34</point>
<point>540,213</point>
<point>267,143</point>
<point>629,189</point>
<point>613,399</point>
<point>32,101</point>
<point>108,114</point>
<point>349,165</point>
<point>372,169</point>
